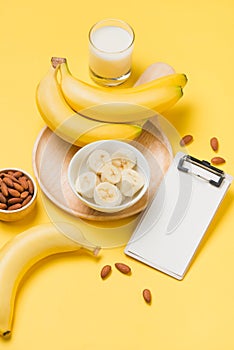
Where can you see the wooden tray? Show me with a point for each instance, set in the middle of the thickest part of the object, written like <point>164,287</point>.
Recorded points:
<point>51,157</point>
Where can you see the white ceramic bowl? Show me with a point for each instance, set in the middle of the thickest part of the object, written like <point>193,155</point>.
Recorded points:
<point>13,215</point>
<point>78,165</point>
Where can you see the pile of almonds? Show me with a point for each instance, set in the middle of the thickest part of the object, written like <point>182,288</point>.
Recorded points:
<point>214,143</point>
<point>16,190</point>
<point>125,269</point>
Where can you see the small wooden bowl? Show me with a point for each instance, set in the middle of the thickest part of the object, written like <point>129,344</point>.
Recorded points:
<point>17,214</point>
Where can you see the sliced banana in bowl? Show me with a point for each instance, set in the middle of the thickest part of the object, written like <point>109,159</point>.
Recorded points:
<point>124,159</point>
<point>109,175</point>
<point>131,182</point>
<point>107,195</point>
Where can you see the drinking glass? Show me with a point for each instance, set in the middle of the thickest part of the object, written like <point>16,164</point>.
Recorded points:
<point>110,51</point>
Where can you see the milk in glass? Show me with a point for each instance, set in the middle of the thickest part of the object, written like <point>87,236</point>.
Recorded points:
<point>110,52</point>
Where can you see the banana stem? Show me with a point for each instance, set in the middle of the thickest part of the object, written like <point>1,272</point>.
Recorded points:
<point>56,61</point>
<point>6,334</point>
<point>94,250</point>
<point>75,235</point>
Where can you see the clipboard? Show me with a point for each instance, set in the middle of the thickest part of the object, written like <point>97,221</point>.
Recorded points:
<point>172,227</point>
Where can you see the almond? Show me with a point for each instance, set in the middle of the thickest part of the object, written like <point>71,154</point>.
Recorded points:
<point>17,174</point>
<point>14,193</point>
<point>186,140</point>
<point>2,198</point>
<point>4,189</point>
<point>217,160</point>
<point>13,200</point>
<point>23,182</point>
<point>147,295</point>
<point>3,206</point>
<point>30,186</point>
<point>8,181</point>
<point>123,268</point>
<point>105,271</point>
<point>18,187</point>
<point>214,144</point>
<point>26,201</point>
<point>15,206</point>
<point>24,194</point>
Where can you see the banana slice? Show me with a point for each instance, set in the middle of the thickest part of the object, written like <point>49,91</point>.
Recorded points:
<point>109,173</point>
<point>107,195</point>
<point>124,159</point>
<point>97,159</point>
<point>131,182</point>
<point>86,183</point>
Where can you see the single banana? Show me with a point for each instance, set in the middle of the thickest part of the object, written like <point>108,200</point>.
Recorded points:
<point>131,182</point>
<point>110,173</point>
<point>69,125</point>
<point>86,183</point>
<point>21,253</point>
<point>107,195</point>
<point>120,105</point>
<point>97,159</point>
<point>124,159</point>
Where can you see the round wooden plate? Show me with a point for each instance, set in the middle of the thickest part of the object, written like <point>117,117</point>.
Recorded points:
<point>51,157</point>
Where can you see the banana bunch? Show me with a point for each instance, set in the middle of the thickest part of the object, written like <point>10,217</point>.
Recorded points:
<point>20,254</point>
<point>81,113</point>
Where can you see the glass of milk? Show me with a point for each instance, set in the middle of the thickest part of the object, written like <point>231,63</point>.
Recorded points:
<point>110,52</point>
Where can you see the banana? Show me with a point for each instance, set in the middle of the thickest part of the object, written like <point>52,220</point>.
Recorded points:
<point>124,159</point>
<point>86,183</point>
<point>21,253</point>
<point>69,125</point>
<point>120,105</point>
<point>107,195</point>
<point>131,182</point>
<point>110,173</point>
<point>97,159</point>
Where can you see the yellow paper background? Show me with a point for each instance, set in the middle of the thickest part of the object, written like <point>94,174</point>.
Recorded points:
<point>64,305</point>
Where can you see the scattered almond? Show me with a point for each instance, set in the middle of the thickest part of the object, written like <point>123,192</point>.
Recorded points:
<point>123,268</point>
<point>147,295</point>
<point>186,140</point>
<point>217,160</point>
<point>214,144</point>
<point>105,271</point>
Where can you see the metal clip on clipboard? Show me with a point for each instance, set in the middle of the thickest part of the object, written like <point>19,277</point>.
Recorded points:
<point>205,165</point>
<point>172,252</point>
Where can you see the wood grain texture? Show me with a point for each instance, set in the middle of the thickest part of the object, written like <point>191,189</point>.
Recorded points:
<point>51,157</point>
